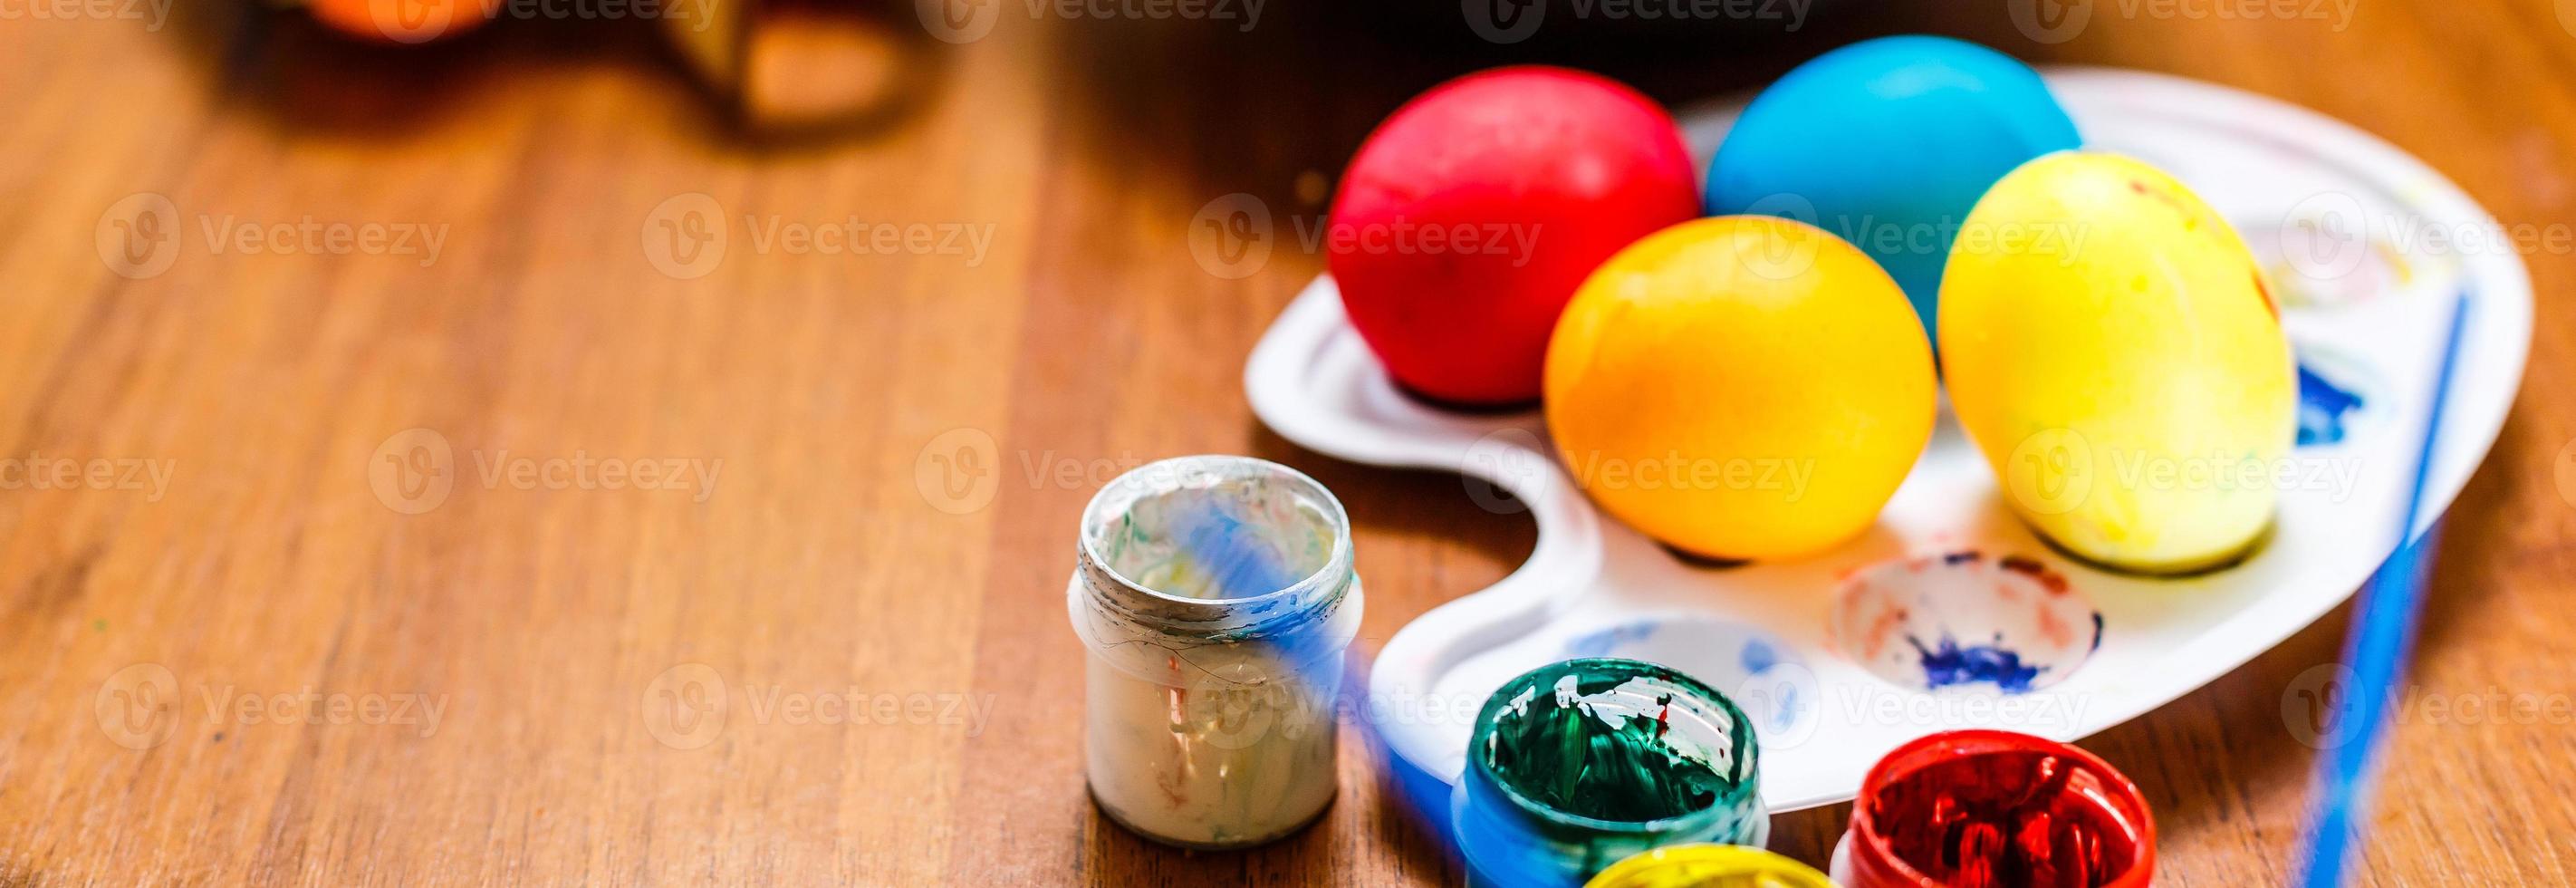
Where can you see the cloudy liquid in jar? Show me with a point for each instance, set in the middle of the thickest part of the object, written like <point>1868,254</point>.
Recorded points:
<point>1216,595</point>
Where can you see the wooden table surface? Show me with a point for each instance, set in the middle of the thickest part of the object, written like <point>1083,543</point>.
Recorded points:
<point>565,551</point>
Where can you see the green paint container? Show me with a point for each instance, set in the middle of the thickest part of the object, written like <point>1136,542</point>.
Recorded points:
<point>1580,764</point>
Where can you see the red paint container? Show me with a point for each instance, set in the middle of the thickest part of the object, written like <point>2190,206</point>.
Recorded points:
<point>1970,809</point>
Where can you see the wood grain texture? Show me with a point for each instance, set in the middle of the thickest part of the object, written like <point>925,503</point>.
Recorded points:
<point>567,631</point>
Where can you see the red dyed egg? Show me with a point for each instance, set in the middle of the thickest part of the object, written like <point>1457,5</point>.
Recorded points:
<point>1471,215</point>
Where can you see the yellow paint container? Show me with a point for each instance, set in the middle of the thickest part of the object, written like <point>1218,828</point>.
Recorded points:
<point>1709,866</point>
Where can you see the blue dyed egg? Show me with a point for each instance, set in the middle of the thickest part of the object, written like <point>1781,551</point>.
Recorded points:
<point>1888,143</point>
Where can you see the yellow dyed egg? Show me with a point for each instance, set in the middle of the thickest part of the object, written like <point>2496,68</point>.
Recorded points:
<point>2111,346</point>
<point>1740,387</point>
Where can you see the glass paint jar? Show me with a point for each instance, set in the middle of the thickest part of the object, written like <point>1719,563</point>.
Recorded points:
<point>1958,810</point>
<point>1583,763</point>
<point>1709,866</point>
<point>1215,595</point>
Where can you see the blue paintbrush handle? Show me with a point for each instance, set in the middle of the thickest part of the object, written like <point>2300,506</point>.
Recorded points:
<point>2383,628</point>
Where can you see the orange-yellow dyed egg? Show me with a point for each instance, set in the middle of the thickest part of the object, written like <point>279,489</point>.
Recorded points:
<point>1741,387</point>
<point>400,21</point>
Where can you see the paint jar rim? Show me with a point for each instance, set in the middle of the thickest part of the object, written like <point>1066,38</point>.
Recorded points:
<point>1875,863</point>
<point>1747,791</point>
<point>1325,585</point>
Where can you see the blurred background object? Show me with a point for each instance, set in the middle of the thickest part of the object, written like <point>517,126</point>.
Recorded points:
<point>614,276</point>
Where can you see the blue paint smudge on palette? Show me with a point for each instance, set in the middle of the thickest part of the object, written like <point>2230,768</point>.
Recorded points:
<point>1758,656</point>
<point>1949,665</point>
<point>2323,407</point>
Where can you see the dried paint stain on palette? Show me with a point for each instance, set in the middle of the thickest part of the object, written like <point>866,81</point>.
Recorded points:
<point>1962,619</point>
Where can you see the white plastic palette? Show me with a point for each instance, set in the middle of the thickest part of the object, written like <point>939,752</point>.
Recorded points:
<point>2369,319</point>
